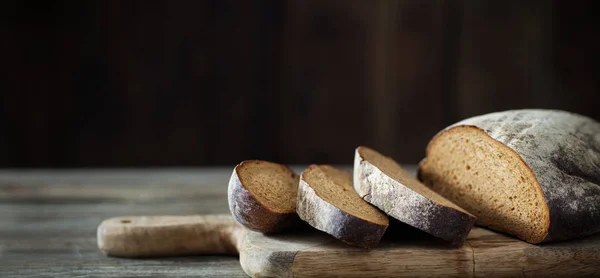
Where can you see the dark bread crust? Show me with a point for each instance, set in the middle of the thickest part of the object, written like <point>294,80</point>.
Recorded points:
<point>448,224</point>
<point>334,221</point>
<point>562,150</point>
<point>408,206</point>
<point>249,212</point>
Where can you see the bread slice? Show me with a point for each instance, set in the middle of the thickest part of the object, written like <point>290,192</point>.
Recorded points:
<point>262,196</point>
<point>327,201</point>
<point>380,181</point>
<point>531,173</point>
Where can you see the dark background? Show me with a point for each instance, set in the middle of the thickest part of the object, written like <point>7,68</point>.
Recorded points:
<point>165,83</point>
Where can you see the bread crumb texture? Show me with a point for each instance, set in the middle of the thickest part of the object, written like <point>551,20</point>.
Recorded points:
<point>327,201</point>
<point>334,186</point>
<point>531,173</point>
<point>272,184</point>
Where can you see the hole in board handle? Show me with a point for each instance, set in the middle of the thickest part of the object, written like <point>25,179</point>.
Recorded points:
<point>125,221</point>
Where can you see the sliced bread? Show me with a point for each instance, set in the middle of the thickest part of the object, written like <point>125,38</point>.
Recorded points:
<point>380,181</point>
<point>327,201</point>
<point>262,196</point>
<point>530,173</point>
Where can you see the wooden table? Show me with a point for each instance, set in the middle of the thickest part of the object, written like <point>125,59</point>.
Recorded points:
<point>48,219</point>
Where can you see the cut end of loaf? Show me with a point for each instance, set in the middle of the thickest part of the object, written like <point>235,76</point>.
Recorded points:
<point>488,179</point>
<point>262,195</point>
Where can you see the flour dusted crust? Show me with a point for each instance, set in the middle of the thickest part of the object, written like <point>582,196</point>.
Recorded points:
<point>341,224</point>
<point>252,214</point>
<point>562,150</point>
<point>426,211</point>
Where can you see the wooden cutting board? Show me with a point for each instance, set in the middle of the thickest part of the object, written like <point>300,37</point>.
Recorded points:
<point>310,253</point>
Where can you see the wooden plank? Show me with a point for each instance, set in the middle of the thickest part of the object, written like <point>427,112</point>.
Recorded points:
<point>208,178</point>
<point>205,178</point>
<point>100,266</point>
<point>184,82</point>
<point>503,256</point>
<point>383,74</point>
<point>32,213</point>
<point>112,185</point>
<point>485,254</point>
<point>62,242</point>
<point>40,54</point>
<point>522,55</point>
<point>48,218</point>
<point>360,72</point>
<point>8,69</point>
<point>312,253</point>
<point>323,70</point>
<point>405,76</point>
<point>505,57</point>
<point>406,258</point>
<point>151,60</point>
<point>574,56</point>
<point>135,83</point>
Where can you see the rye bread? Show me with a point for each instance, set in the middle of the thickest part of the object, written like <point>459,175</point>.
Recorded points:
<point>380,181</point>
<point>327,201</point>
<point>531,173</point>
<point>262,196</point>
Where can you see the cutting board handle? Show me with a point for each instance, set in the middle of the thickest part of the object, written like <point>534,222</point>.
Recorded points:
<point>159,236</point>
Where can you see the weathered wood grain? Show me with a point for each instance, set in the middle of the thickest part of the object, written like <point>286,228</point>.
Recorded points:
<point>485,254</point>
<point>408,258</point>
<point>48,219</point>
<point>52,233</point>
<point>165,236</point>
<point>45,266</point>
<point>312,253</point>
<point>500,255</point>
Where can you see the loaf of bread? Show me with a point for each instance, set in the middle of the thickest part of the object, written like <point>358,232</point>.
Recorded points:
<point>380,181</point>
<point>327,201</point>
<point>262,196</point>
<point>531,173</point>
